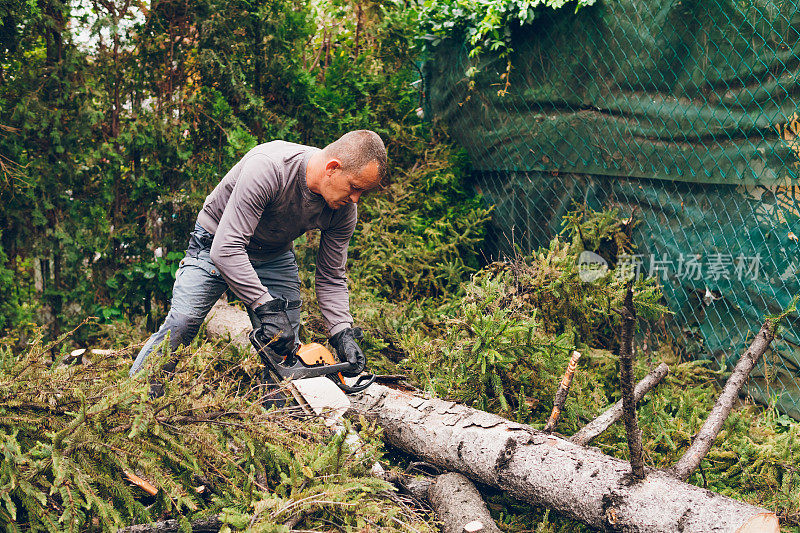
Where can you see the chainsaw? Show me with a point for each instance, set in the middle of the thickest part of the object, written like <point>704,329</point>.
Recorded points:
<point>307,361</point>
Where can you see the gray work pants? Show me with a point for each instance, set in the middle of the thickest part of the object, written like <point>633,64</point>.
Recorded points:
<point>198,285</point>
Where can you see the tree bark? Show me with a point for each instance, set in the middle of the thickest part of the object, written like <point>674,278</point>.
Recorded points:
<point>545,470</point>
<point>206,525</point>
<point>614,413</point>
<point>229,322</point>
<point>713,424</point>
<point>458,504</point>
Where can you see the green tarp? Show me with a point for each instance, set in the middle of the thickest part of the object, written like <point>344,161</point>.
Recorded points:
<point>684,113</point>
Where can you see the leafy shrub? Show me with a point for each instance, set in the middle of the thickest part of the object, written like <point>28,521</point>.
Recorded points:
<point>107,153</point>
<point>134,287</point>
<point>14,307</point>
<point>419,237</point>
<point>549,281</point>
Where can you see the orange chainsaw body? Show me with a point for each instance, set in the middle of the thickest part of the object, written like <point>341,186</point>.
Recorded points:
<point>314,353</point>
<point>309,361</point>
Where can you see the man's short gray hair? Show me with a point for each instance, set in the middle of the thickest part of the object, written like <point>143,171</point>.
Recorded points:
<point>356,149</point>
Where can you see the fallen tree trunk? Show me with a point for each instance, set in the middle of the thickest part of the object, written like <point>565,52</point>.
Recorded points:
<point>549,471</point>
<point>459,506</point>
<point>541,469</point>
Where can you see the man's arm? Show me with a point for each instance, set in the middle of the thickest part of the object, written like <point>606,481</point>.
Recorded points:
<point>257,185</point>
<point>331,278</point>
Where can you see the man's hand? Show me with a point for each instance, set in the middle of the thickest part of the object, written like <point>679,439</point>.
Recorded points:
<point>275,326</point>
<point>348,350</point>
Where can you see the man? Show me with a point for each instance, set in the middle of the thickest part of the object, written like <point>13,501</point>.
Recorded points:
<point>243,240</point>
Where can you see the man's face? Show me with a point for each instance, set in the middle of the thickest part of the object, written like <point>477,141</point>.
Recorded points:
<point>339,187</point>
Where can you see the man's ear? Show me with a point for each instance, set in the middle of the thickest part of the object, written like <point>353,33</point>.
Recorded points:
<point>332,165</point>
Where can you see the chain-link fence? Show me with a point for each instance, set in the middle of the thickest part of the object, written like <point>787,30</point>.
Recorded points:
<point>681,113</point>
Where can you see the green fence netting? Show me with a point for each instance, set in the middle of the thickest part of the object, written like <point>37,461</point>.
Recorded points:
<point>684,113</point>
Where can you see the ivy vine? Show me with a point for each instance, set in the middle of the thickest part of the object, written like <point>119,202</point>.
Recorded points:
<point>485,25</point>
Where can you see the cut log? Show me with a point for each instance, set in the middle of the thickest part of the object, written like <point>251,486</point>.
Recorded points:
<point>229,322</point>
<point>548,471</point>
<point>459,506</point>
<point>614,413</point>
<point>416,486</point>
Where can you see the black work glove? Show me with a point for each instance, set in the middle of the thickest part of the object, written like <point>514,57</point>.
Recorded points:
<point>275,326</point>
<point>348,350</point>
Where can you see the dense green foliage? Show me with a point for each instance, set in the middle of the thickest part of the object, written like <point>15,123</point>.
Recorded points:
<point>515,322</point>
<point>504,342</point>
<point>10,302</point>
<point>419,237</point>
<point>70,430</point>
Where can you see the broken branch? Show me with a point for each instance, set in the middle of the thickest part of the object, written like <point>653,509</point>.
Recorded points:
<point>459,506</point>
<point>713,424</point>
<point>614,413</point>
<point>626,382</point>
<point>562,392</point>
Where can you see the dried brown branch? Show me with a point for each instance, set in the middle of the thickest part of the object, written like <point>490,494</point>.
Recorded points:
<point>562,392</point>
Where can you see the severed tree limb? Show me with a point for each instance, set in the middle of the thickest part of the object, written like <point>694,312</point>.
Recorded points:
<point>459,506</point>
<point>456,501</point>
<point>713,424</point>
<point>614,413</point>
<point>205,525</point>
<point>294,520</point>
<point>562,392</point>
<point>626,381</point>
<point>416,486</point>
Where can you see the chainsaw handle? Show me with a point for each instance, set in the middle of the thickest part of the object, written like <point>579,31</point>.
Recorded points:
<point>261,344</point>
<point>363,381</point>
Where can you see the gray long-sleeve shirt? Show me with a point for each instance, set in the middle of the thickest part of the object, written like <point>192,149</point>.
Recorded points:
<point>263,204</point>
